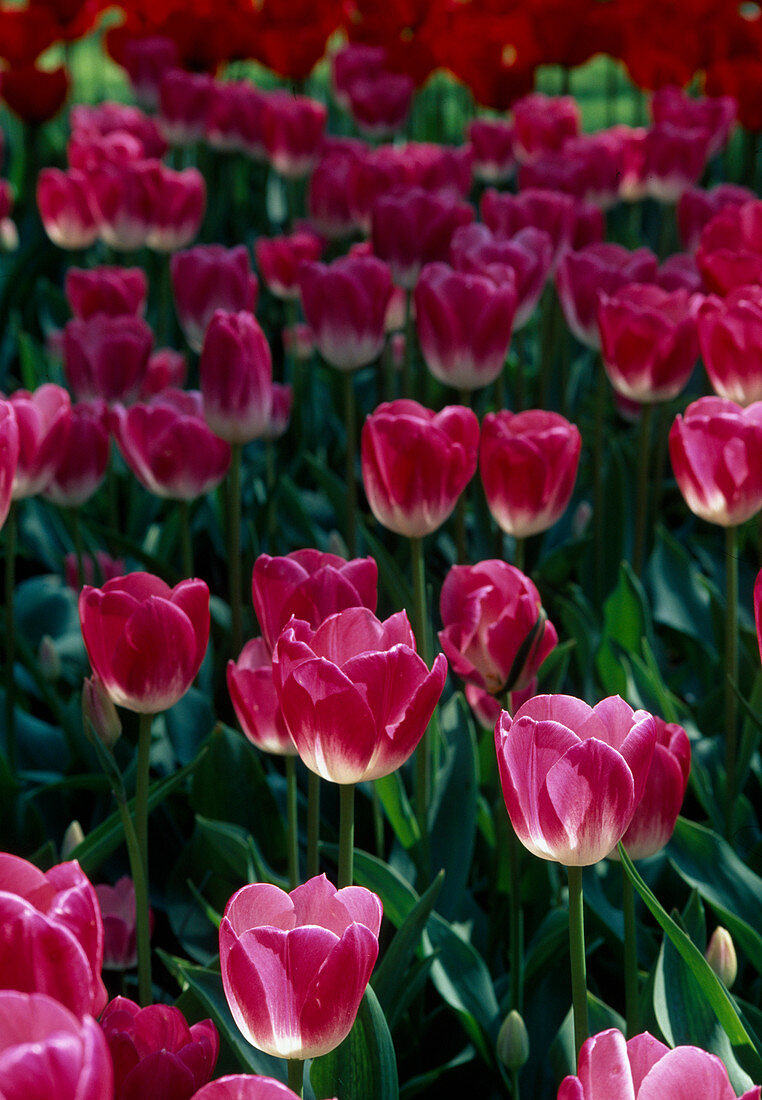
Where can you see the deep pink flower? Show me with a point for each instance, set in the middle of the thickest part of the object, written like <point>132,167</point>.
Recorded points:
<point>107,357</point>
<point>524,260</point>
<point>553,212</point>
<point>730,248</point>
<point>674,159</point>
<point>117,905</point>
<point>111,290</point>
<point>528,465</point>
<point>245,1086</point>
<point>255,700</point>
<point>145,640</point>
<point>496,634</point>
<point>714,114</point>
<point>156,1055</point>
<point>207,278</point>
<point>279,259</point>
<point>328,194</point>
<point>178,202</point>
<point>184,100</point>
<point>543,123</point>
<point>654,820</point>
<point>123,197</point>
<point>680,272</point>
<point>355,695</point>
<point>280,411</point>
<point>355,59</point>
<point>292,132</point>
<point>416,463</point>
<point>146,61</point>
<point>581,276</point>
<point>46,1051</point>
<point>52,938</point>
<point>9,456</point>
<point>104,119</point>
<point>234,118</point>
<point>412,227</point>
<point>43,419</point>
<point>380,102</point>
<point>166,369</point>
<point>697,207</point>
<point>493,141</point>
<point>236,375</point>
<point>345,305</point>
<point>295,966</point>
<point>645,1069</point>
<point>66,208</point>
<point>716,453</point>
<point>83,458</point>
<point>572,775</point>
<point>730,335</point>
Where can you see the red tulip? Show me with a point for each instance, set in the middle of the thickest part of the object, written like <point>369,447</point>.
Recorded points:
<point>654,820</point>
<point>107,357</point>
<point>309,585</point>
<point>207,278</point>
<point>543,123</point>
<point>730,335</point>
<point>494,145</point>
<point>36,95</point>
<point>573,775</point>
<point>464,325</point>
<point>416,463</point>
<point>645,1069</point>
<point>145,641</point>
<point>44,420</point>
<point>236,377</point>
<point>697,207</point>
<point>279,260</point>
<point>156,1055</point>
<point>524,260</point>
<point>255,700</point>
<point>117,905</point>
<point>496,634</point>
<point>716,453</point>
<point>184,99</point>
<point>355,673</point>
<point>413,227</point>
<point>52,934</point>
<point>83,458</point>
<point>292,131</point>
<point>582,275</point>
<point>115,291</point>
<point>295,966</point>
<point>9,456</point>
<point>46,1051</point>
<point>345,305</point>
<point>66,207</point>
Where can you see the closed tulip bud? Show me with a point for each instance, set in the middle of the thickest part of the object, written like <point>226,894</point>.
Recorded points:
<point>543,123</point>
<point>292,132</point>
<point>117,904</point>
<point>493,142</point>
<point>513,1041</point>
<point>279,260</point>
<point>675,158</point>
<point>107,357</point>
<point>255,700</point>
<point>582,276</point>
<point>66,207</point>
<point>354,60</point>
<point>236,375</point>
<point>184,100</point>
<point>99,715</point>
<point>730,335</point>
<point>84,457</point>
<point>177,210</point>
<point>43,419</point>
<point>207,278</point>
<point>72,838</point>
<point>115,291</point>
<point>413,227</point>
<point>721,956</point>
<point>123,201</point>
<point>48,659</point>
<point>328,195</point>
<point>380,102</point>
<point>345,305</point>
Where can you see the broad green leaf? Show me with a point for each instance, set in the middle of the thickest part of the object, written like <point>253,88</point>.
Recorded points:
<point>399,812</point>
<point>364,1066</point>
<point>454,811</point>
<point>392,975</point>
<point>625,623</point>
<point>397,895</point>
<point>679,596</point>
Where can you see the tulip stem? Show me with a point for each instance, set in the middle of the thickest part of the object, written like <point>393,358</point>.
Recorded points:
<point>518,553</point>
<point>601,389</point>
<point>731,672</point>
<point>631,992</point>
<point>516,932</point>
<point>313,825</point>
<point>296,1075</point>
<point>461,505</point>
<point>142,910</point>
<point>346,834</point>
<point>142,782</point>
<point>641,508</point>
<point>11,531</point>
<point>351,433</point>
<point>293,823</point>
<point>423,752</point>
<point>234,549</point>
<point>186,543</point>
<point>407,358</point>
<point>577,953</point>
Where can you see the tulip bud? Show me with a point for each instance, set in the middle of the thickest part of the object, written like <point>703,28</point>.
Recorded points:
<point>513,1041</point>
<point>721,956</point>
<point>72,838</point>
<point>49,659</point>
<point>99,715</point>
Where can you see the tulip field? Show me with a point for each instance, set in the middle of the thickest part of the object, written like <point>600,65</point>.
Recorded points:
<point>381,508</point>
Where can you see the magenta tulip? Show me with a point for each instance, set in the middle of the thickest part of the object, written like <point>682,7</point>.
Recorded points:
<point>43,419</point>
<point>207,278</point>
<point>345,305</point>
<point>697,207</point>
<point>123,201</point>
<point>654,820</point>
<point>416,463</point>
<point>146,62</point>
<point>66,208</point>
<point>292,132</point>
<point>355,59</point>
<point>716,453</point>
<point>730,248</point>
<point>556,214</point>
<point>111,290</point>
<point>178,203</point>
<point>83,458</point>
<point>9,456</point>
<point>156,1055</point>
<point>493,141</point>
<point>145,640</point>
<point>543,123</point>
<point>236,374</point>
<point>645,1069</point>
<point>166,369</point>
<point>730,335</point>
<point>328,194</point>
<point>107,357</point>
<point>117,905</point>
<point>279,260</point>
<point>255,700</point>
<point>715,114</point>
<point>674,159</point>
<point>380,102</point>
<point>245,1086</point>
<point>45,1051</point>
<point>295,966</point>
<point>412,227</point>
<point>572,775</point>
<point>184,99</point>
<point>582,276</point>
<point>355,695</point>
<point>496,634</point>
<point>528,465</point>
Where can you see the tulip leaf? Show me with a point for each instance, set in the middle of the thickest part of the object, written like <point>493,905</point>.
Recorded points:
<point>399,813</point>
<point>454,817</point>
<point>391,978</point>
<point>396,893</point>
<point>626,622</point>
<point>364,1066</point>
<point>746,1047</point>
<point>679,594</point>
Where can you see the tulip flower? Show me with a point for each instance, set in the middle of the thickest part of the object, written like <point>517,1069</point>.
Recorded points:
<point>413,227</point>
<point>680,272</point>
<point>184,100</point>
<point>523,260</point>
<point>280,412</point>
<point>83,458</point>
<point>496,634</point>
<point>207,278</point>
<point>345,305</point>
<point>328,194</point>
<point>645,1069</point>
<point>146,61</point>
<point>292,132</point>
<point>156,1055</point>
<point>416,463</point>
<point>674,159</point>
<point>581,276</point>
<point>255,700</point>
<point>233,120</point>
<point>295,966</point>
<point>721,956</point>
<point>178,202</point>
<point>730,335</point>
<point>697,207</point>
<point>715,114</point>
<point>109,118</point>
<point>52,934</point>
<point>118,910</point>
<point>66,208</point>
<point>493,142</point>
<point>43,419</point>
<point>236,377</point>
<point>279,260</point>
<point>543,123</point>
<point>9,456</point>
<point>355,59</point>
<point>730,248</point>
<point>380,102</point>
<point>654,819</point>
<point>45,1051</point>
<point>556,214</point>
<point>123,201</point>
<point>107,357</point>
<point>166,369</point>
<point>245,1086</point>
<point>111,290</point>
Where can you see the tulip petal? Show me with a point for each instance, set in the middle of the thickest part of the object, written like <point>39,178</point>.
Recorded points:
<point>643,1052</point>
<point>258,904</point>
<point>685,1074</point>
<point>160,1073</point>
<point>154,660</point>
<point>604,1069</point>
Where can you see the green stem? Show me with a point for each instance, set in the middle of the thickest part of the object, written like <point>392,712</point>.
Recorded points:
<point>142,782</point>
<point>423,752</point>
<point>186,541</point>
<point>641,508</point>
<point>351,434</point>
<point>516,926</point>
<point>731,672</point>
<point>11,532</point>
<point>295,1075</point>
<point>461,504</point>
<point>515,1084</point>
<point>234,550</point>
<point>346,834</point>
<point>142,909</point>
<point>378,823</point>
<point>519,546</point>
<point>293,822</point>
<point>631,992</point>
<point>577,953</point>
<point>407,359</point>
<point>601,393</point>
<point>313,825</point>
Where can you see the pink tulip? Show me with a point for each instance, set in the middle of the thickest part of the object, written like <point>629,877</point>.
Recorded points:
<point>413,227</point>
<point>730,335</point>
<point>416,463</point>
<point>244,1086</point>
<point>582,276</point>
<point>123,199</point>
<point>599,159</point>
<point>680,272</point>
<point>91,152</point>
<point>645,1069</point>
<point>528,465</point>
<point>236,375</point>
<point>52,934</point>
<point>697,207</point>
<point>299,341</point>
<point>146,61</point>
<point>524,260</point>
<point>309,585</point>
<point>83,458</point>
<point>730,249</point>
<point>110,290</point>
<point>171,451</point>
<point>556,214</point>
<point>496,634</point>
<point>43,419</point>
<point>279,260</point>
<point>464,325</point>
<point>649,340</point>
<point>117,905</point>
<point>45,1051</point>
<point>166,369</point>
<point>380,102</point>
<point>280,411</point>
<point>543,123</point>
<point>9,456</point>
<point>355,59</point>
<point>234,118</point>
<point>355,695</point>
<point>715,115</point>
<point>292,131</point>
<point>493,142</point>
<point>675,158</point>
<point>328,194</point>
<point>104,119</point>
<point>345,305</point>
<point>107,357</point>
<point>716,453</point>
<point>207,278</point>
<point>156,1055</point>
<point>178,202</point>
<point>184,100</point>
<point>66,208</point>
<point>145,640</point>
<point>295,966</point>
<point>654,820</point>
<point>573,775</point>
<point>255,700</point>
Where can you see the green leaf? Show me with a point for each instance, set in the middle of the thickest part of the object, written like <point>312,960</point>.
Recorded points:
<point>364,1066</point>
<point>600,1017</point>
<point>399,812</point>
<point>680,598</point>
<point>625,623</point>
<point>397,895</point>
<point>392,975</point>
